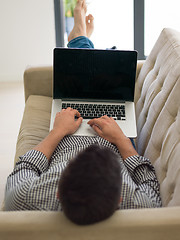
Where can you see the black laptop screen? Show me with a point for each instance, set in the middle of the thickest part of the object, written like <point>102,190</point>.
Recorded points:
<point>94,74</point>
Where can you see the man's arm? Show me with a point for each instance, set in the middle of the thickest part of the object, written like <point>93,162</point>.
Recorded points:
<point>145,186</point>
<point>65,124</point>
<point>19,183</point>
<point>24,188</point>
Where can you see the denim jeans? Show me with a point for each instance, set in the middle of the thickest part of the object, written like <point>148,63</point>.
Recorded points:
<point>80,42</point>
<point>84,42</point>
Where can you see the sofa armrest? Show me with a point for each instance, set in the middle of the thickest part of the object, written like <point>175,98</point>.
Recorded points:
<point>163,223</point>
<point>38,81</point>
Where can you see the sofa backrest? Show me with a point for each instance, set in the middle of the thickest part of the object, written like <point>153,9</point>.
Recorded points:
<point>158,113</point>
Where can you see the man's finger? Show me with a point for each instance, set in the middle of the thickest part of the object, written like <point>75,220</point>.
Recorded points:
<point>95,121</point>
<point>112,119</point>
<point>97,130</point>
<point>105,117</point>
<point>76,113</point>
<point>79,121</point>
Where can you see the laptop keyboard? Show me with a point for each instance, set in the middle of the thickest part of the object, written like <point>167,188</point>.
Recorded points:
<point>90,111</point>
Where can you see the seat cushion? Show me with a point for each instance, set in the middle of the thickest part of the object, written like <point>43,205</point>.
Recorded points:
<point>158,113</point>
<point>35,123</point>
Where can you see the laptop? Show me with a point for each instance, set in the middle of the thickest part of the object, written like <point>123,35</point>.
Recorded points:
<point>95,82</point>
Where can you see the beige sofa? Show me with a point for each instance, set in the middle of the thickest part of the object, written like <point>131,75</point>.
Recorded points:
<point>157,99</point>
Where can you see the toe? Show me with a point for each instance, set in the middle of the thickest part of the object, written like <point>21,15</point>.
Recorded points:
<point>84,5</point>
<point>90,17</point>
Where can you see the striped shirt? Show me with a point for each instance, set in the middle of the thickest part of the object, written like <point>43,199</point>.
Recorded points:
<point>33,184</point>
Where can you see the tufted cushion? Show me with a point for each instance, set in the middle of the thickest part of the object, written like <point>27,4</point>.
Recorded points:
<point>158,113</point>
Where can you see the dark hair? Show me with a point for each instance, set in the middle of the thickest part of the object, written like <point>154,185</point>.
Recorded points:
<point>90,186</point>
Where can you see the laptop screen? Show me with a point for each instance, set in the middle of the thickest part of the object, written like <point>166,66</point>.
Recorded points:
<point>94,74</point>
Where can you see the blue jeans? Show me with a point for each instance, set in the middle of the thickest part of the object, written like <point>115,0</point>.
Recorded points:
<point>84,42</point>
<point>80,42</point>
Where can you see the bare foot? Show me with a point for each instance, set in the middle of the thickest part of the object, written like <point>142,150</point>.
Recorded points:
<point>83,26</point>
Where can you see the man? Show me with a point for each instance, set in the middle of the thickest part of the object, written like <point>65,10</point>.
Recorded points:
<point>86,177</point>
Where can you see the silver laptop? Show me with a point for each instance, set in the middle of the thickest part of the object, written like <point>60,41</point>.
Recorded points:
<point>96,83</point>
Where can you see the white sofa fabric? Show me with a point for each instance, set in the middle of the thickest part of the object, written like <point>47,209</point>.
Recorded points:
<point>158,113</point>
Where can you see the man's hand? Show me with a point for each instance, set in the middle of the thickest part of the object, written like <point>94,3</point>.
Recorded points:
<point>106,127</point>
<point>65,122</point>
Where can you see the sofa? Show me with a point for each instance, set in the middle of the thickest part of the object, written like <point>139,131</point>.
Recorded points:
<point>157,101</point>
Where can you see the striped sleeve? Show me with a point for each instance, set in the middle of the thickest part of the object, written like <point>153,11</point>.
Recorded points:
<point>29,167</point>
<point>34,160</point>
<point>146,191</point>
<point>140,169</point>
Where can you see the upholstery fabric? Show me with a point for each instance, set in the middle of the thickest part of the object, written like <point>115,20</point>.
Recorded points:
<point>142,224</point>
<point>35,123</point>
<point>158,113</point>
<point>36,80</point>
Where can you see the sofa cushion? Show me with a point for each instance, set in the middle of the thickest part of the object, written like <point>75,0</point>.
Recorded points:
<point>35,123</point>
<point>158,113</point>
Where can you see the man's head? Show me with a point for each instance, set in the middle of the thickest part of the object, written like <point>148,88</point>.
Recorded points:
<point>90,186</point>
